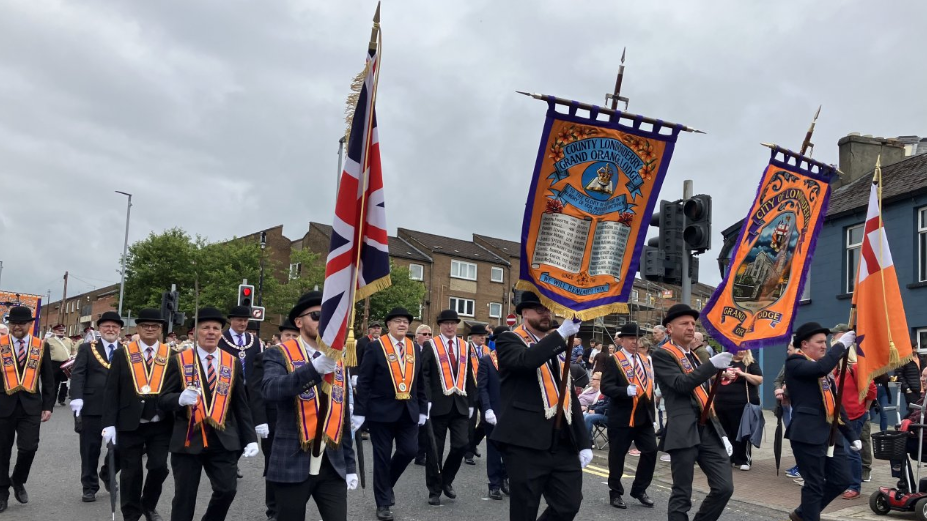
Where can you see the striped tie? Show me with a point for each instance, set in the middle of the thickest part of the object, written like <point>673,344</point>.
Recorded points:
<point>148,352</point>
<point>641,374</point>
<point>22,353</point>
<point>210,374</point>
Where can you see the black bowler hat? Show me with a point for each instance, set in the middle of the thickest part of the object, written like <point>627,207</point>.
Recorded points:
<point>806,331</point>
<point>253,325</point>
<point>20,315</point>
<point>288,326</point>
<point>679,310</point>
<point>313,298</point>
<point>528,300</point>
<point>630,329</point>
<point>479,329</point>
<point>498,331</point>
<point>395,313</point>
<point>110,316</point>
<point>210,315</point>
<point>240,312</point>
<point>448,315</point>
<point>149,315</point>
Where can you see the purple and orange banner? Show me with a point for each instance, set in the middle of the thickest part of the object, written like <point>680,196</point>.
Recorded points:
<point>10,299</point>
<point>756,302</point>
<point>590,201</point>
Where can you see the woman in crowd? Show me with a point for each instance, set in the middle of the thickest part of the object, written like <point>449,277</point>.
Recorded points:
<point>740,384</point>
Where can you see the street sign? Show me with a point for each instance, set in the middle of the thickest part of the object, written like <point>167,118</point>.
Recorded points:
<point>510,320</point>
<point>257,313</point>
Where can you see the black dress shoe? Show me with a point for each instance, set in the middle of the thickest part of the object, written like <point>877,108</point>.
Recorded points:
<point>793,516</point>
<point>505,486</point>
<point>2,505</point>
<point>495,493</point>
<point>617,502</point>
<point>434,500</point>
<point>88,497</point>
<point>383,514</point>
<point>420,462</point>
<point>476,452</point>
<point>449,491</point>
<point>19,492</point>
<point>238,471</point>
<point>644,499</point>
<point>153,515</point>
<point>106,483</point>
<point>469,461</point>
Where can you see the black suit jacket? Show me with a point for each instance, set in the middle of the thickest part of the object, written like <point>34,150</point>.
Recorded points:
<point>442,404</point>
<point>239,428</point>
<point>227,343</point>
<point>376,400</point>
<point>261,412</point>
<point>809,417</point>
<point>122,406</point>
<point>361,349</point>
<point>522,408</point>
<point>43,399</point>
<point>88,377</point>
<point>615,384</point>
<point>682,408</point>
<point>487,381</point>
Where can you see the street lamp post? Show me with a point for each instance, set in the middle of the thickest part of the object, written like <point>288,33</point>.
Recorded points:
<point>125,250</point>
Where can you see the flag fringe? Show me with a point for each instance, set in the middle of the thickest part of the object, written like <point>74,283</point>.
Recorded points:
<point>372,287</point>
<point>559,309</point>
<point>351,102</point>
<point>892,365</point>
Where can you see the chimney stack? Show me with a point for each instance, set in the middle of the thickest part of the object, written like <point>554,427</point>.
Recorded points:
<point>858,156</point>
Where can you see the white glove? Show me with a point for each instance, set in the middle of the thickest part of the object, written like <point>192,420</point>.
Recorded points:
<point>422,418</point>
<point>356,422</point>
<point>632,390</point>
<point>354,381</point>
<point>490,417</point>
<point>351,480</point>
<point>721,360</point>
<point>324,364</point>
<point>585,457</point>
<point>727,445</point>
<point>76,406</point>
<point>109,435</point>
<point>188,397</point>
<point>857,445</point>
<point>429,410</point>
<point>656,426</point>
<point>250,450</point>
<point>848,338</point>
<point>569,328</point>
<point>471,412</point>
<point>262,430</point>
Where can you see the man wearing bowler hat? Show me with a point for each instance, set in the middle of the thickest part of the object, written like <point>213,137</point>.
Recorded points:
<point>374,330</point>
<point>133,421</point>
<point>27,400</point>
<point>540,459</point>
<point>684,381</point>
<point>392,403</point>
<point>61,350</point>
<point>88,383</point>
<point>488,385</point>
<point>814,405</point>
<point>451,393</point>
<point>478,349</point>
<point>627,379</point>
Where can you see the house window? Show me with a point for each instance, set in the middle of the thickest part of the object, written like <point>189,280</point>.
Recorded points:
<point>853,245</point>
<point>921,336</point>
<point>806,290</point>
<point>496,274</point>
<point>295,270</point>
<point>634,295</point>
<point>698,303</point>
<point>922,245</point>
<point>416,272</point>
<point>463,270</point>
<point>463,306</point>
<point>495,310</point>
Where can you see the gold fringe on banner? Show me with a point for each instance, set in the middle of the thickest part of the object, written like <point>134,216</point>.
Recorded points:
<point>588,314</point>
<point>351,103</point>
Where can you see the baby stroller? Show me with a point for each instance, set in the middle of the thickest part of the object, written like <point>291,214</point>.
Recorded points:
<point>898,446</point>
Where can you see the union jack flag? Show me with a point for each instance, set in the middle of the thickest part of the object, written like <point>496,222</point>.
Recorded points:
<point>350,229</point>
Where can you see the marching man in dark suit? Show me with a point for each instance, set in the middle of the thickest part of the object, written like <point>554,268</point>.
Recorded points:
<point>27,400</point>
<point>392,404</point>
<point>684,383</point>
<point>88,382</point>
<point>204,390</point>
<point>812,391</point>
<point>293,381</point>
<point>628,381</point>
<point>488,384</point>
<point>539,459</point>
<point>451,398</point>
<point>477,431</point>
<point>132,418</point>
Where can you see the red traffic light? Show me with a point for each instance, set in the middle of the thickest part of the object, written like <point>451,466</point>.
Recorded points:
<point>246,291</point>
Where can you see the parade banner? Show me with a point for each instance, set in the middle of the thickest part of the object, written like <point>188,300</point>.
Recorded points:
<point>756,302</point>
<point>590,201</point>
<point>10,299</point>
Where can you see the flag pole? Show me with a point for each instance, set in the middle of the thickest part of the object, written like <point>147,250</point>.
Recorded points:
<point>893,357</point>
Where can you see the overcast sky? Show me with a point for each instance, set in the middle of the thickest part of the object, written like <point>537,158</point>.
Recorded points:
<point>222,117</point>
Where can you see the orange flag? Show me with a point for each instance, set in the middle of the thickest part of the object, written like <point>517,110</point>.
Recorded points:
<point>881,328</point>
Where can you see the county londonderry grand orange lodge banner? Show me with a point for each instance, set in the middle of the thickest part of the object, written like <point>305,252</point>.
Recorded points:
<point>591,197</point>
<point>755,304</point>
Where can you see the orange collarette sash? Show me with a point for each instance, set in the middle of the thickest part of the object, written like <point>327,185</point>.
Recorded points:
<point>13,380</point>
<point>624,364</point>
<point>494,358</point>
<point>475,360</point>
<point>307,402</point>
<point>450,382</point>
<point>147,381</point>
<point>827,395</point>
<point>700,394</point>
<point>401,369</point>
<point>217,410</point>
<point>549,391</point>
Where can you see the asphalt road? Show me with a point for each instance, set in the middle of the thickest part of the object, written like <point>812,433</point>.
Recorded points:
<point>55,492</point>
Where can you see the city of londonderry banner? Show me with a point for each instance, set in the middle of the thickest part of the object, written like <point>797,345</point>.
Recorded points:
<point>590,201</point>
<point>755,304</point>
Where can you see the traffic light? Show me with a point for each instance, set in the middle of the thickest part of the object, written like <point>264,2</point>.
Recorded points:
<point>652,261</point>
<point>245,294</point>
<point>697,233</point>
<point>169,304</point>
<point>662,256</point>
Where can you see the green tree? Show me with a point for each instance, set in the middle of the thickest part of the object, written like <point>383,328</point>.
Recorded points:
<point>279,298</point>
<point>403,292</point>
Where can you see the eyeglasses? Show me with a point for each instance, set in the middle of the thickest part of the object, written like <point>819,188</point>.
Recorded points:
<point>314,315</point>
<point>425,334</point>
<point>150,326</point>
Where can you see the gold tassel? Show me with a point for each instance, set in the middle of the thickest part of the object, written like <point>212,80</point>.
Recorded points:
<point>893,358</point>
<point>350,349</point>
